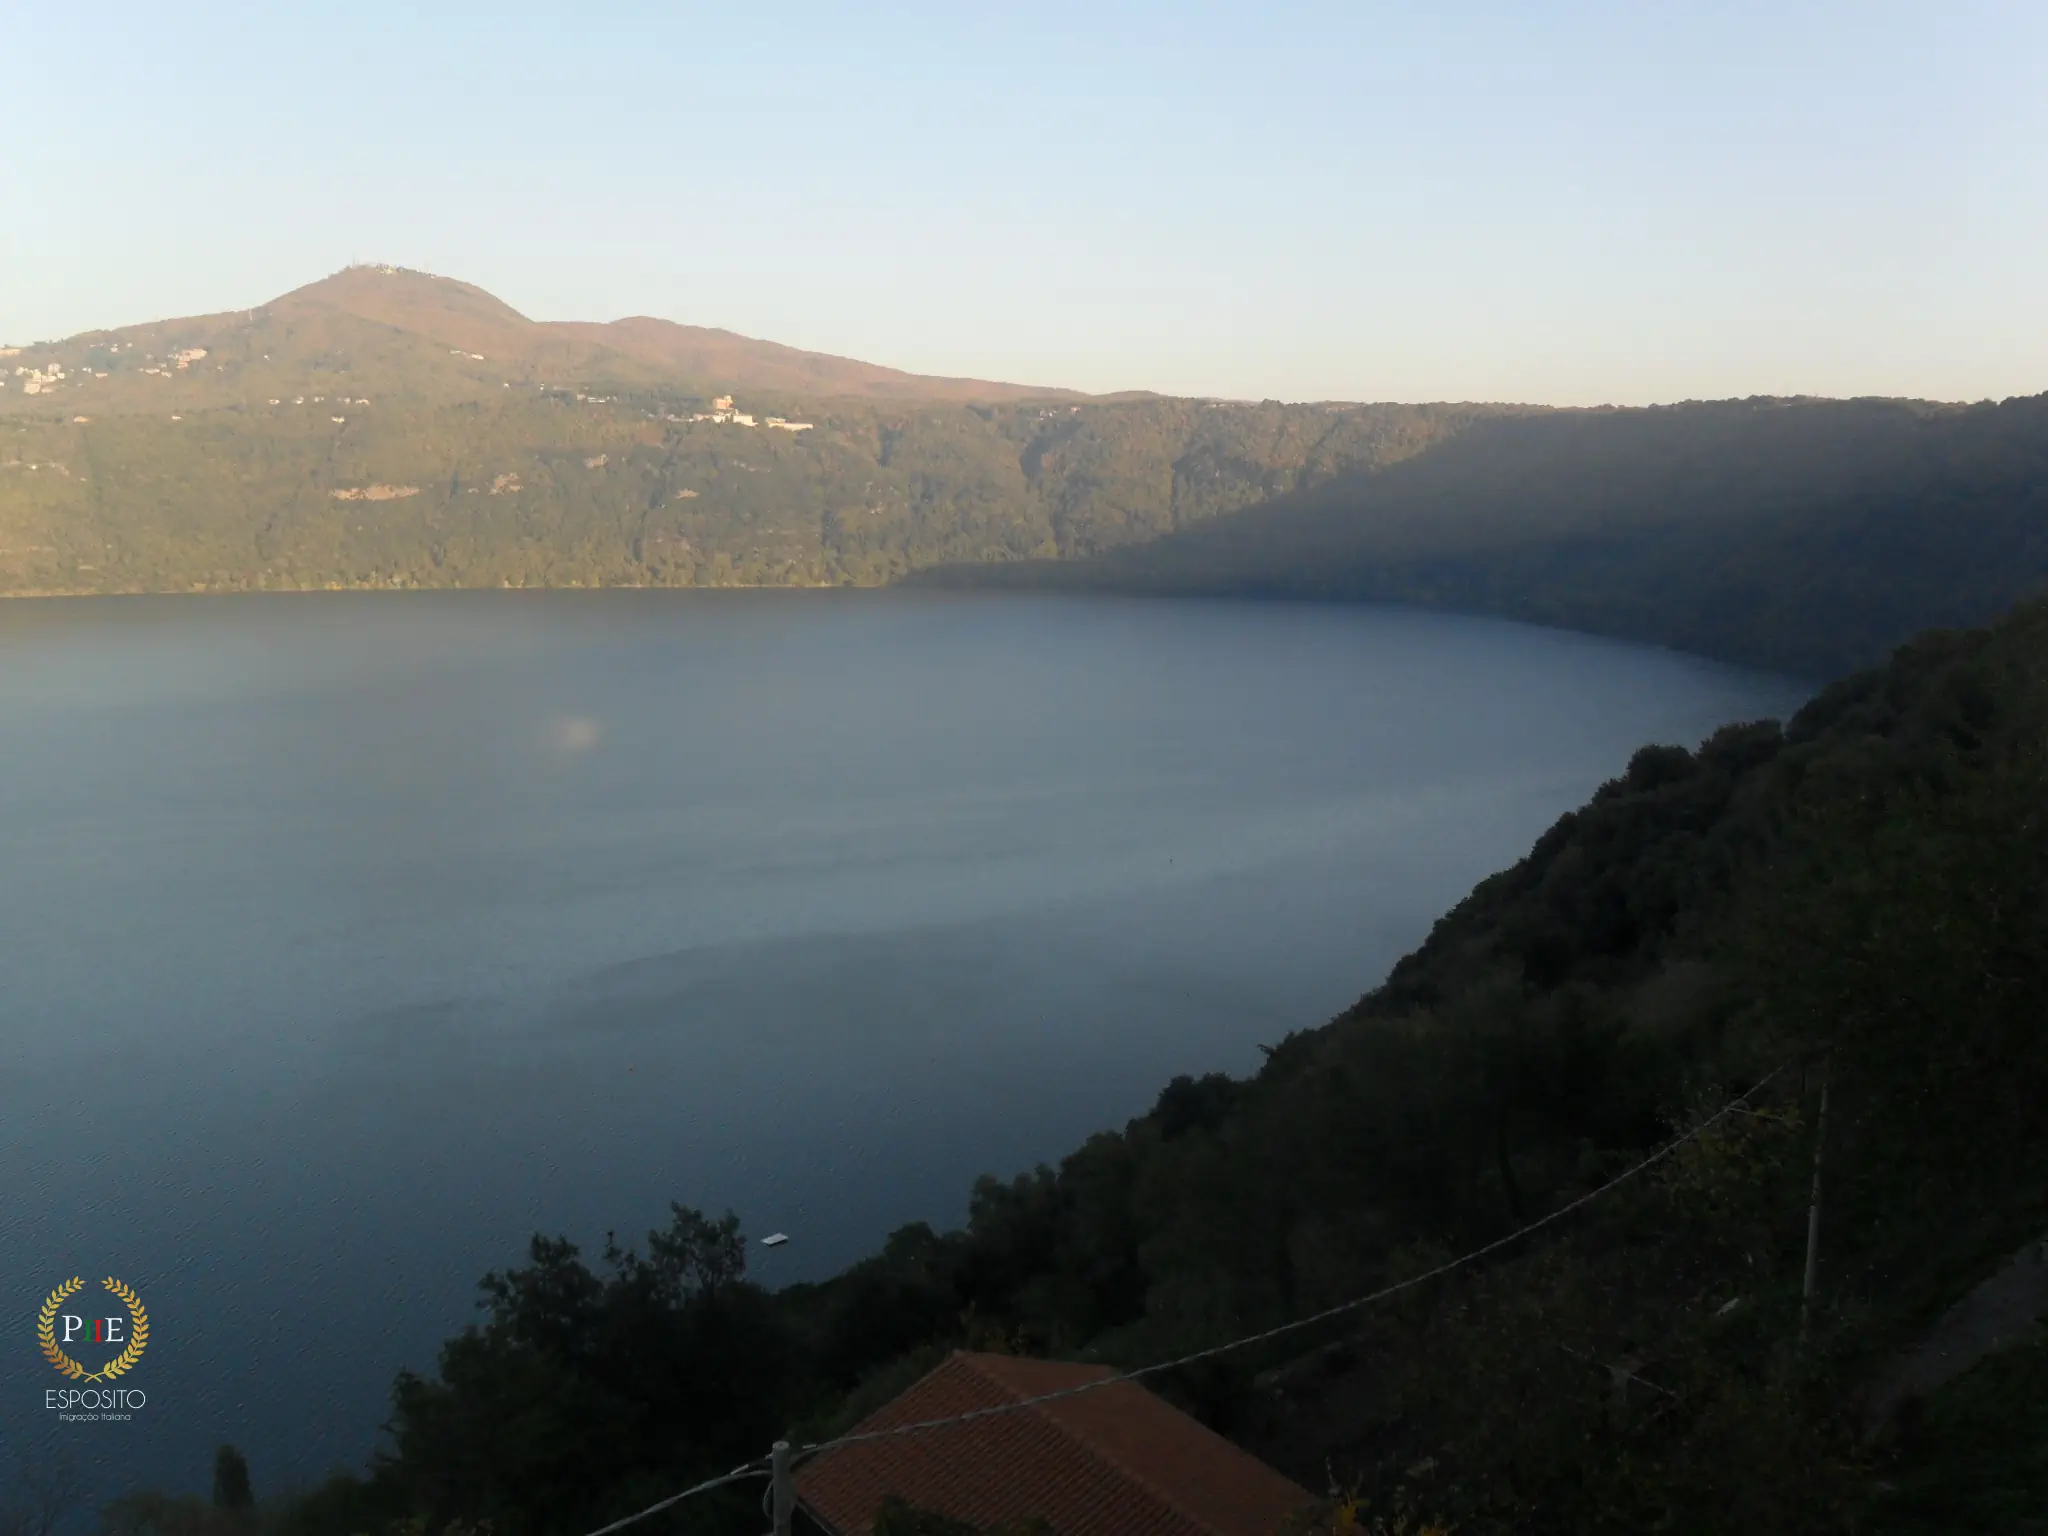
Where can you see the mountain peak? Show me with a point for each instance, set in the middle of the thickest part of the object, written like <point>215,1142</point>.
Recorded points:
<point>399,330</point>
<point>421,303</point>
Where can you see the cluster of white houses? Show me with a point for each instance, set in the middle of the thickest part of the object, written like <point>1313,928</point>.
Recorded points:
<point>722,410</point>
<point>176,362</point>
<point>49,377</point>
<point>36,381</point>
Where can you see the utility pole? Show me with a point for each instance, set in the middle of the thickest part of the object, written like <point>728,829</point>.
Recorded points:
<point>783,1489</point>
<point>1820,1140</point>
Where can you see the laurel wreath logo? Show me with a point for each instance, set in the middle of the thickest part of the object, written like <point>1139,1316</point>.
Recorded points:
<point>46,1330</point>
<point>138,1334</point>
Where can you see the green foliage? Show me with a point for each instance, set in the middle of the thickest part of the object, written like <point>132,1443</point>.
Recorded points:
<point>1809,536</point>
<point>547,489</point>
<point>585,1393</point>
<point>1806,535</point>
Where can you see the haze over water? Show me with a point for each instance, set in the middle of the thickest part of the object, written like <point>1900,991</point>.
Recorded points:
<point>346,941</point>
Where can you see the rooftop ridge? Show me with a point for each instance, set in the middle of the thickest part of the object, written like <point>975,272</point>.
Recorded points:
<point>1100,1454</point>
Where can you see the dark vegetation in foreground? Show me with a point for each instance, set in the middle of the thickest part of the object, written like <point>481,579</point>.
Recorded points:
<point>1865,885</point>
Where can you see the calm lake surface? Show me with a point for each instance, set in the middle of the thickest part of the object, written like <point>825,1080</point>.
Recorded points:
<point>346,941</point>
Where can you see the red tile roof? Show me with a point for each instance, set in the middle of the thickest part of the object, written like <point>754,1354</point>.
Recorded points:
<point>1116,1461</point>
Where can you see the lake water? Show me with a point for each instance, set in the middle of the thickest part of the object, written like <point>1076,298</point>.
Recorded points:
<point>346,941</point>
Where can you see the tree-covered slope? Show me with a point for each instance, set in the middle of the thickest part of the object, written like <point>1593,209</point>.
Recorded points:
<point>560,488</point>
<point>1810,536</point>
<point>389,428</point>
<point>1859,897</point>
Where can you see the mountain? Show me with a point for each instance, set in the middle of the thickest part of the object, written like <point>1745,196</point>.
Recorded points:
<point>385,428</point>
<point>399,334</point>
<point>397,455</point>
<point>638,349</point>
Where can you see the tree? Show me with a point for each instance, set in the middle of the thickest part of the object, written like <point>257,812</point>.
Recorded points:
<point>48,1491</point>
<point>231,1491</point>
<point>585,1391</point>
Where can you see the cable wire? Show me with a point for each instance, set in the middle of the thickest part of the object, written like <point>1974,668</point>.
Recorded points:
<point>758,1468</point>
<point>1327,1313</point>
<point>737,1474</point>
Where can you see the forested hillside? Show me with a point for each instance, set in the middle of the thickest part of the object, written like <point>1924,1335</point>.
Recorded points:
<point>1857,898</point>
<point>385,428</point>
<point>549,489</point>
<point>1810,536</point>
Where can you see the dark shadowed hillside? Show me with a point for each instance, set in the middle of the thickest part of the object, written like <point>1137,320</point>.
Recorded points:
<point>1809,536</point>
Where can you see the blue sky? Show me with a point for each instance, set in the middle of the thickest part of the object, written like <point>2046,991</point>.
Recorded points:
<point>1559,202</point>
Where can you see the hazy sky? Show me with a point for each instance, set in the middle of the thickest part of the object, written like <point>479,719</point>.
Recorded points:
<point>1541,201</point>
